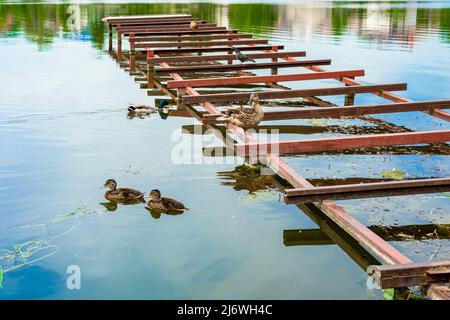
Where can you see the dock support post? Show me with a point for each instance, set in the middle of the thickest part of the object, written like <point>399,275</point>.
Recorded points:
<point>132,54</point>
<point>274,71</point>
<point>119,45</point>
<point>230,52</point>
<point>110,39</point>
<point>150,71</point>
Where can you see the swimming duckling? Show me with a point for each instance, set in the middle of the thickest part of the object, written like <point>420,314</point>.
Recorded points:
<point>142,108</point>
<point>121,194</point>
<point>158,203</point>
<point>193,25</point>
<point>244,117</point>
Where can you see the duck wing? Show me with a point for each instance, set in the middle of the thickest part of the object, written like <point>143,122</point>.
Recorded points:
<point>130,193</point>
<point>172,204</point>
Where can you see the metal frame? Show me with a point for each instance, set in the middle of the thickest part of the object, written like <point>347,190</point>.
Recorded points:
<point>386,253</point>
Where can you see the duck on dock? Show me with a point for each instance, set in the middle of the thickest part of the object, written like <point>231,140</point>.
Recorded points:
<point>146,109</point>
<point>159,203</point>
<point>193,25</point>
<point>241,57</point>
<point>244,117</point>
<point>115,194</point>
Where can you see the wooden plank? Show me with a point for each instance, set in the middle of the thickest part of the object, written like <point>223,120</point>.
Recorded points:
<point>241,66</point>
<point>263,79</point>
<point>212,49</point>
<point>191,38</point>
<point>199,43</point>
<point>170,59</point>
<point>340,143</point>
<point>413,274</point>
<point>367,190</point>
<point>283,94</point>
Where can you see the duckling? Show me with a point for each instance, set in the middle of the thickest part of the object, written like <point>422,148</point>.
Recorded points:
<point>244,117</point>
<point>142,108</point>
<point>159,203</point>
<point>121,194</point>
<point>193,25</point>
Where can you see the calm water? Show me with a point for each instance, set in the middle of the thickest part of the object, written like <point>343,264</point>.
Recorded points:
<point>64,131</point>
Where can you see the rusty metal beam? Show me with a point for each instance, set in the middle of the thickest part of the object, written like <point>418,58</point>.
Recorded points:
<point>341,143</point>
<point>193,37</point>
<point>169,59</point>
<point>283,94</point>
<point>199,43</point>
<point>241,66</point>
<point>367,190</point>
<point>346,111</point>
<point>188,32</point>
<point>413,274</point>
<point>263,79</point>
<point>212,49</point>
<point>175,27</point>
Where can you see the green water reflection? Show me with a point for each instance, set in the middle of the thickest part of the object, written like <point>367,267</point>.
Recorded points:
<point>41,23</point>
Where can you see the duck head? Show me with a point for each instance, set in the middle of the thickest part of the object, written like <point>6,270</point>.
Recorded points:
<point>155,195</point>
<point>110,184</point>
<point>254,98</point>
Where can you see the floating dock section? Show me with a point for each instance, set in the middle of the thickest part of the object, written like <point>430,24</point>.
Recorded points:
<point>166,54</point>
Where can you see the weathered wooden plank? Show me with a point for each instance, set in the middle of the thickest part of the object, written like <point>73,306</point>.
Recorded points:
<point>213,49</point>
<point>340,143</point>
<point>367,190</point>
<point>241,66</point>
<point>263,79</point>
<point>199,43</point>
<point>193,37</point>
<point>413,274</point>
<point>170,59</point>
<point>283,94</point>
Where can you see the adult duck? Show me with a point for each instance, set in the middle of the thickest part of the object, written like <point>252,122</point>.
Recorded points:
<point>245,118</point>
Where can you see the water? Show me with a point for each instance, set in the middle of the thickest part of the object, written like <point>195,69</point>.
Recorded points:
<point>64,131</point>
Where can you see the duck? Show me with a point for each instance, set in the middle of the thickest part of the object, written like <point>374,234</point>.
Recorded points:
<point>245,118</point>
<point>115,194</point>
<point>146,109</point>
<point>193,25</point>
<point>162,204</point>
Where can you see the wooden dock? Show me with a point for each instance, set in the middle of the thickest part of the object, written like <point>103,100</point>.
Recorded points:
<point>162,48</point>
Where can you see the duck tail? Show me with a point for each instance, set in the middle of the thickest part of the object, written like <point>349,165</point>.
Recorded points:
<point>223,118</point>
<point>131,108</point>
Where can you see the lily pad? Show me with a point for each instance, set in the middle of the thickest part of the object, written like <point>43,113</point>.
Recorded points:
<point>394,174</point>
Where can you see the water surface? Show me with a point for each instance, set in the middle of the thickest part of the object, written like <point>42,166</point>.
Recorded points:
<point>64,130</point>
